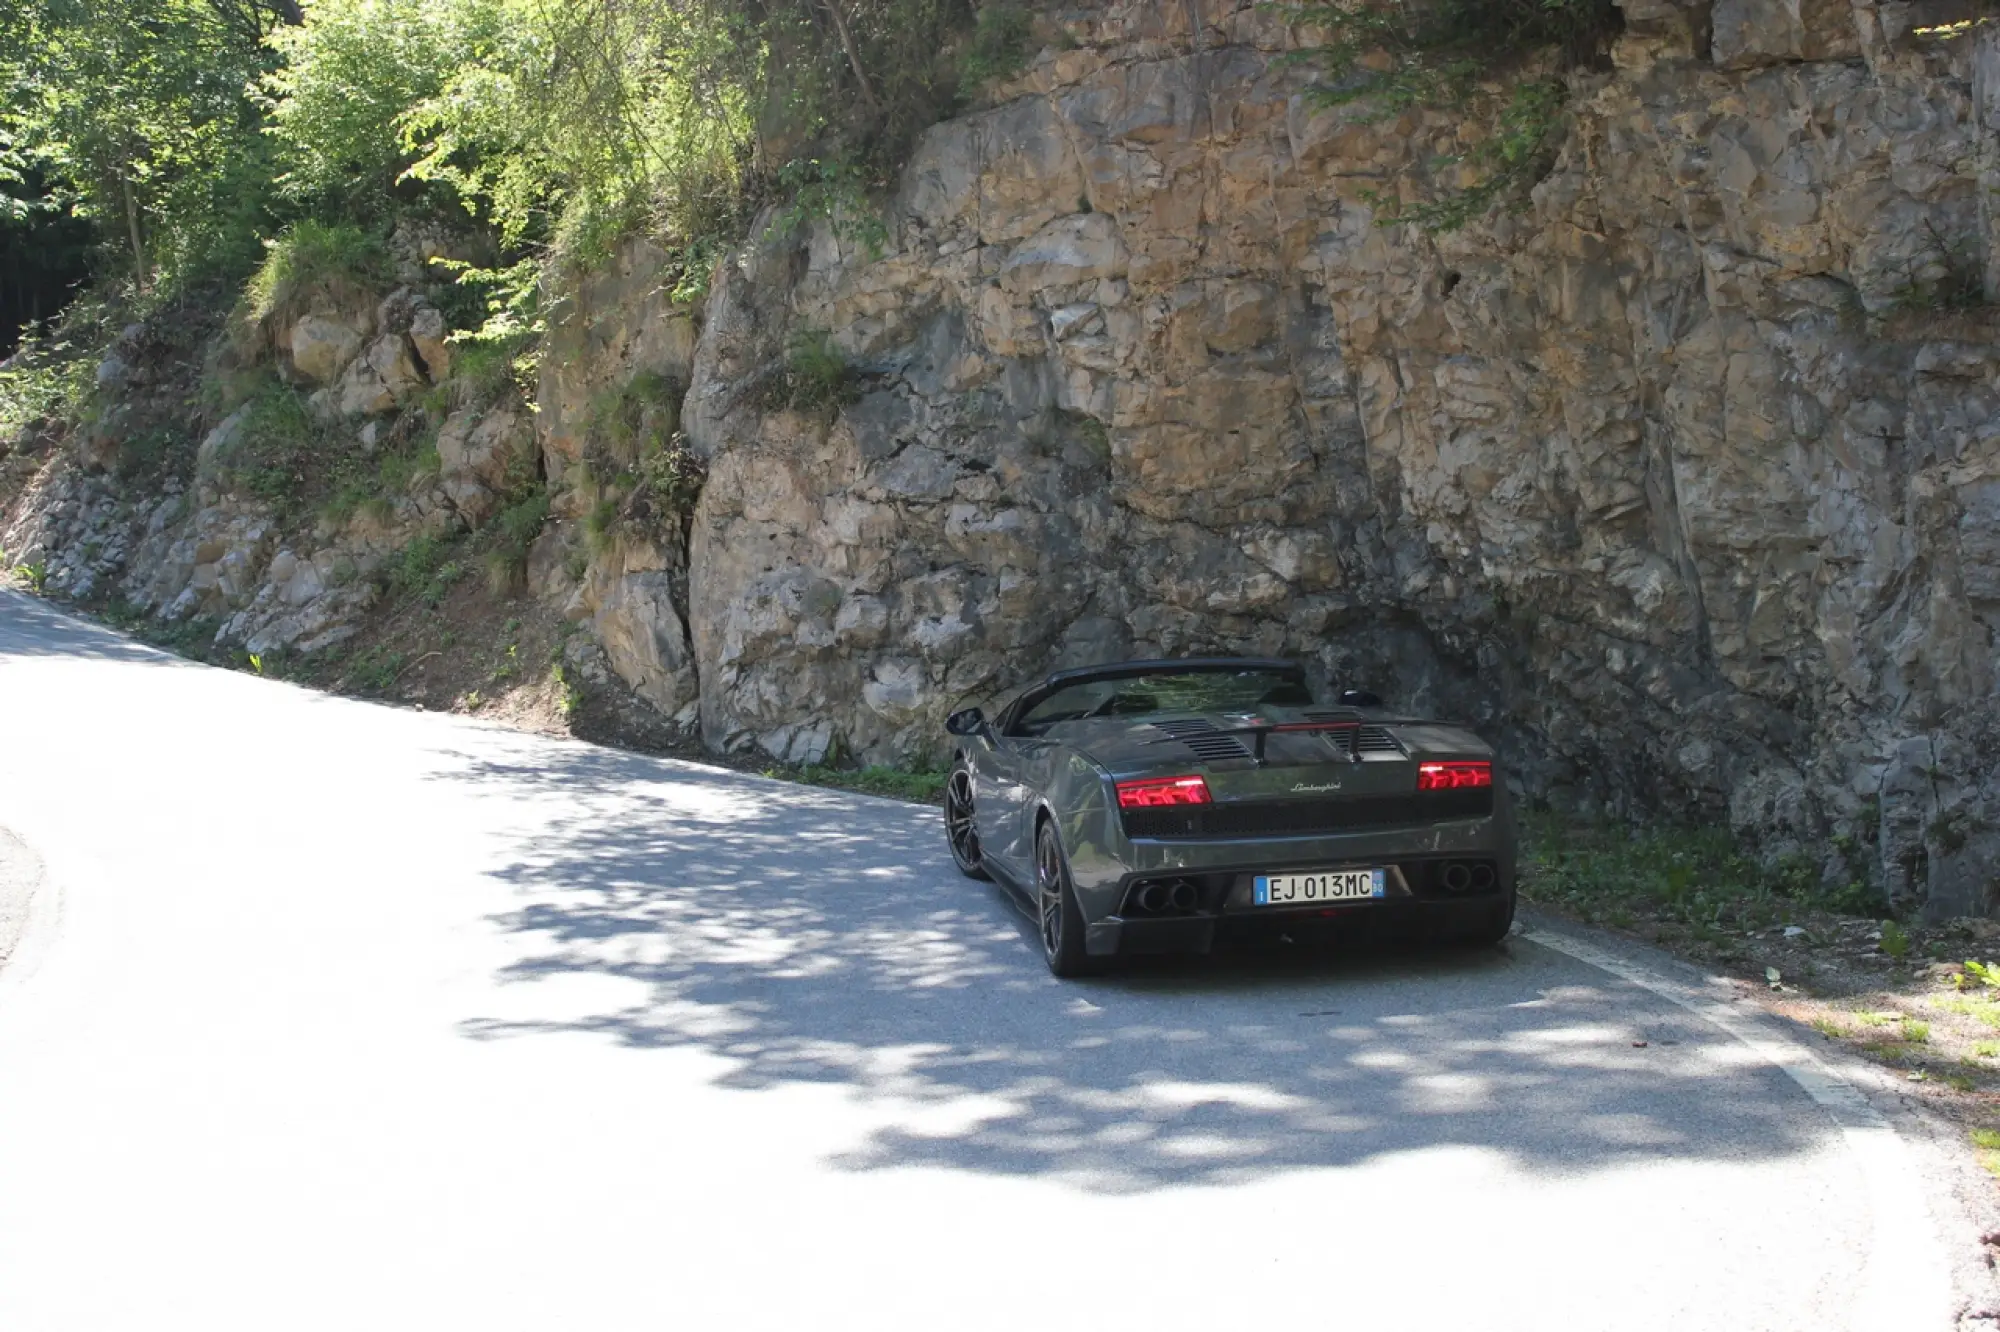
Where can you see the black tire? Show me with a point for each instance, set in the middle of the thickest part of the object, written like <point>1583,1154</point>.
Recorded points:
<point>1058,919</point>
<point>1491,929</point>
<point>960,831</point>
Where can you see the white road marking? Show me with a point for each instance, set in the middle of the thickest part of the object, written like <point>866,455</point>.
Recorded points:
<point>1904,1282</point>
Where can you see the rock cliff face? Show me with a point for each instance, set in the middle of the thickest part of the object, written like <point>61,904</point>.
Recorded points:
<point>1658,480</point>
<point>1681,482</point>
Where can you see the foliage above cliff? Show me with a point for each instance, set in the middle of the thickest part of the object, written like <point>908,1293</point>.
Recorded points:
<point>1494,61</point>
<point>134,118</point>
<point>186,131</point>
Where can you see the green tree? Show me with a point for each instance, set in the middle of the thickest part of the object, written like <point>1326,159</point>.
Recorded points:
<point>137,113</point>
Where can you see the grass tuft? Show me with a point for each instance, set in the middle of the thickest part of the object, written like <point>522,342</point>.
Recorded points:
<point>1699,878</point>
<point>316,260</point>
<point>920,785</point>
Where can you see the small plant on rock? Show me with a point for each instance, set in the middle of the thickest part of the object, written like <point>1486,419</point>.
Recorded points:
<point>1449,56</point>
<point>1895,940</point>
<point>1986,974</point>
<point>816,376</point>
<point>834,190</point>
<point>671,476</point>
<point>514,532</point>
<point>999,45</point>
<point>424,569</point>
<point>1953,278</point>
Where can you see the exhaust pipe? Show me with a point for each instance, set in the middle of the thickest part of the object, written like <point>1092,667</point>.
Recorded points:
<point>1482,877</point>
<point>1183,897</point>
<point>1153,896</point>
<point>1457,878</point>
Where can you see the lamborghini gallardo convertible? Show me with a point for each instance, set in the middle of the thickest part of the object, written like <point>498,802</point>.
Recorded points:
<point>1161,806</point>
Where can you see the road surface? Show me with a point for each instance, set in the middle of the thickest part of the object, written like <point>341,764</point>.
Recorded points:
<point>334,1015</point>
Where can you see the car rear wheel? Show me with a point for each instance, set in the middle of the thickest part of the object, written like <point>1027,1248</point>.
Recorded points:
<point>1056,912</point>
<point>960,828</point>
<point>1490,929</point>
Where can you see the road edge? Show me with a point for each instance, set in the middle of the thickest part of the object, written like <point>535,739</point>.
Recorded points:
<point>1907,1281</point>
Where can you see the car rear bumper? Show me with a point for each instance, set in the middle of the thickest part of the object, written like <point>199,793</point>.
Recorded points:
<point>1492,836</point>
<point>1391,918</point>
<point>1222,871</point>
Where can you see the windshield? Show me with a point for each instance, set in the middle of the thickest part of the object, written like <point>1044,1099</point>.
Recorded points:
<point>1168,691</point>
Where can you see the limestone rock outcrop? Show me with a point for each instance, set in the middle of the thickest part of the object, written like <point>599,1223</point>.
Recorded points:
<point>1662,481</point>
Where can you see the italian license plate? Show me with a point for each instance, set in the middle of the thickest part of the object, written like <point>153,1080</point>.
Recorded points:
<point>1331,886</point>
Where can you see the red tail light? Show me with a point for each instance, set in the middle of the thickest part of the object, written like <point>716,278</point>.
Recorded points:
<point>1156,791</point>
<point>1452,776</point>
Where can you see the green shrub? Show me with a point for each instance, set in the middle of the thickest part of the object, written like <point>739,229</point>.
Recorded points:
<point>349,77</point>
<point>672,475</point>
<point>832,189</point>
<point>816,376</point>
<point>998,47</point>
<point>425,569</point>
<point>279,448</point>
<point>1444,56</point>
<point>600,523</point>
<point>53,371</point>
<point>514,531</point>
<point>1895,940</point>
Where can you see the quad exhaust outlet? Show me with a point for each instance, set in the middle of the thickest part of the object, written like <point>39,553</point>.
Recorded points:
<point>1166,897</point>
<point>1467,876</point>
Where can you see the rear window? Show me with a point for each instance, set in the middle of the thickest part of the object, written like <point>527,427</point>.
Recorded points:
<point>1178,691</point>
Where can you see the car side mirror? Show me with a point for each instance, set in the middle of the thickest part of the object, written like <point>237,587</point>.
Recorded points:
<point>966,721</point>
<point>1360,698</point>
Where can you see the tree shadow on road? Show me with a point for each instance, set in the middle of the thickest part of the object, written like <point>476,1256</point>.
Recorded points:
<point>31,627</point>
<point>813,936</point>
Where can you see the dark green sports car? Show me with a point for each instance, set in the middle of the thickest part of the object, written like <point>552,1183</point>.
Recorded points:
<point>1155,806</point>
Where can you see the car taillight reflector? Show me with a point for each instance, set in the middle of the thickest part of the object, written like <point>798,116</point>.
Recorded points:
<point>1153,792</point>
<point>1453,776</point>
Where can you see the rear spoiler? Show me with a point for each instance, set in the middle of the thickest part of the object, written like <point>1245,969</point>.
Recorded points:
<point>1260,731</point>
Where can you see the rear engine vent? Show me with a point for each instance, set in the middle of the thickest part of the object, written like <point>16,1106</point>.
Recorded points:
<point>1375,740</point>
<point>1356,740</point>
<point>1208,743</point>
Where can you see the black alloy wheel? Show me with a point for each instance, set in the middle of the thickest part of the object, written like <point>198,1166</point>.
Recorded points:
<point>1056,911</point>
<point>959,827</point>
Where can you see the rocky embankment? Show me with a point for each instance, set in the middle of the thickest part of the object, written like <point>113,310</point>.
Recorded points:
<point>1682,481</point>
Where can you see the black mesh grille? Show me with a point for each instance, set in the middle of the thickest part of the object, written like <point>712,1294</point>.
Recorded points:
<point>1375,740</point>
<point>1358,739</point>
<point>1301,818</point>
<point>1209,744</point>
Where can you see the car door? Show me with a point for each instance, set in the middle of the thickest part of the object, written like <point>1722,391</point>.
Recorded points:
<point>999,796</point>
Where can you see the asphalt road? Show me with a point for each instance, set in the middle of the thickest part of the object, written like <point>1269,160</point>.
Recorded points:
<point>331,1015</point>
